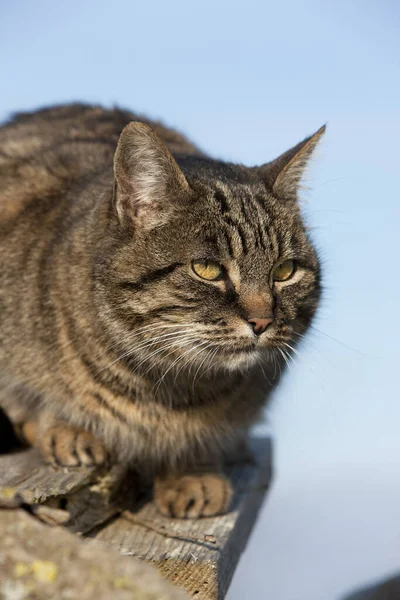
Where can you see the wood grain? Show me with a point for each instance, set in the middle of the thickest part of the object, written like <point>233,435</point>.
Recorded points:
<point>36,481</point>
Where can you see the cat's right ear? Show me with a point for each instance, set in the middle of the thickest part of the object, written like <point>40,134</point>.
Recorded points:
<point>283,175</point>
<point>148,183</point>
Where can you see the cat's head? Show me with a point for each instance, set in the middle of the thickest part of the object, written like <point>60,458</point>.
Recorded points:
<point>210,263</point>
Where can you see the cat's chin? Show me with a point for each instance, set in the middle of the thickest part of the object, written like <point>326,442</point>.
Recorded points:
<point>240,360</point>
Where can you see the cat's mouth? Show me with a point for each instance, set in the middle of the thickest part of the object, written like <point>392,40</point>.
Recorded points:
<point>239,351</point>
<point>245,350</point>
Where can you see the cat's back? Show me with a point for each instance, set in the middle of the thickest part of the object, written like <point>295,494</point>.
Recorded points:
<point>45,153</point>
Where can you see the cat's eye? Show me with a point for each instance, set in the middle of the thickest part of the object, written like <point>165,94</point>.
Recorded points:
<point>284,271</point>
<point>208,269</point>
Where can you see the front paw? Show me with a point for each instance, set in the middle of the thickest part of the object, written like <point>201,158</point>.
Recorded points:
<point>193,496</point>
<point>66,446</point>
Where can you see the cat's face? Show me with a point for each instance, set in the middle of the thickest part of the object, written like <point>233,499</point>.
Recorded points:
<point>221,275</point>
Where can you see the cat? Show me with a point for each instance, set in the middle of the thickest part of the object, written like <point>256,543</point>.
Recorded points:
<point>149,295</point>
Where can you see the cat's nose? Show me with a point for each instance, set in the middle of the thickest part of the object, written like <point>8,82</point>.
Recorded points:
<point>260,325</point>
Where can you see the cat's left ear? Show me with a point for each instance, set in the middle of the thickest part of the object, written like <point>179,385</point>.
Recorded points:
<point>148,183</point>
<point>283,175</point>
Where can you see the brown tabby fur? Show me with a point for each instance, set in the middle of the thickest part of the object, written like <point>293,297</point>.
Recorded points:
<point>109,343</point>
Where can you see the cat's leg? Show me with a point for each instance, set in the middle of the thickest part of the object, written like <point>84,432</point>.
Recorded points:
<point>62,444</point>
<point>26,432</point>
<point>202,493</point>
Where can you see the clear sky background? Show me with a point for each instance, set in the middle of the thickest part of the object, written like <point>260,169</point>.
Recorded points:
<point>246,80</point>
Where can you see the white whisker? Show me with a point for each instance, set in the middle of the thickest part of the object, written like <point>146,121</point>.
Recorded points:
<point>158,383</point>
<point>143,345</point>
<point>200,365</point>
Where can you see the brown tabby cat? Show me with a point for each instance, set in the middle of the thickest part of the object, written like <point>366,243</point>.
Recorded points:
<point>148,295</point>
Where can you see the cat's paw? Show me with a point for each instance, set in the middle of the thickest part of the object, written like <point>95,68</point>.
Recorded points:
<point>66,446</point>
<point>193,496</point>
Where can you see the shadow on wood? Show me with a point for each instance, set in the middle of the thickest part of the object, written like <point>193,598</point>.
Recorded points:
<point>8,439</point>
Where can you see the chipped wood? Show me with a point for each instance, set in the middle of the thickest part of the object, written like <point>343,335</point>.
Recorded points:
<point>37,482</point>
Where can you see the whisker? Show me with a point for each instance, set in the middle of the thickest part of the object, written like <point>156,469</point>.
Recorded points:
<point>201,364</point>
<point>285,358</point>
<point>263,372</point>
<point>339,342</point>
<point>293,350</point>
<point>213,353</point>
<point>144,345</point>
<point>186,340</point>
<point>310,366</point>
<point>158,383</point>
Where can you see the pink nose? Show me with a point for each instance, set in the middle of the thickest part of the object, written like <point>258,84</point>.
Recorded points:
<point>260,325</point>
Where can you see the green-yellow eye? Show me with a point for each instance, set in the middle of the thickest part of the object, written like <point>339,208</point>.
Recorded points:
<point>208,269</point>
<point>284,271</point>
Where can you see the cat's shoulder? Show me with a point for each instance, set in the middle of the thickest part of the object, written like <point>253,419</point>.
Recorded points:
<point>45,152</point>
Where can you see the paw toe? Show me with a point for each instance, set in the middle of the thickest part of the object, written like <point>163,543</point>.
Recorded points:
<point>68,447</point>
<point>193,496</point>
<point>90,450</point>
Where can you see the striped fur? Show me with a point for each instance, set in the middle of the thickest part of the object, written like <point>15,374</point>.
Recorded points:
<point>103,324</point>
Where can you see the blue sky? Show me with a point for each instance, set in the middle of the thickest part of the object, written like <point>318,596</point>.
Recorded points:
<point>246,81</point>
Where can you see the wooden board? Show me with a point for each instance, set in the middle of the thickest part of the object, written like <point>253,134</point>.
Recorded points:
<point>198,555</point>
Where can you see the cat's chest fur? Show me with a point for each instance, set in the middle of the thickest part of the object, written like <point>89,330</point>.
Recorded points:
<point>165,427</point>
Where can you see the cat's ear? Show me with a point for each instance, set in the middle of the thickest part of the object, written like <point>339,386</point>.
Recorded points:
<point>283,175</point>
<point>147,180</point>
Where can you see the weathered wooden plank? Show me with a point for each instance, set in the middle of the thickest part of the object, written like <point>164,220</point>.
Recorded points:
<point>36,481</point>
<point>89,495</point>
<point>38,561</point>
<point>199,555</point>
<point>204,567</point>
